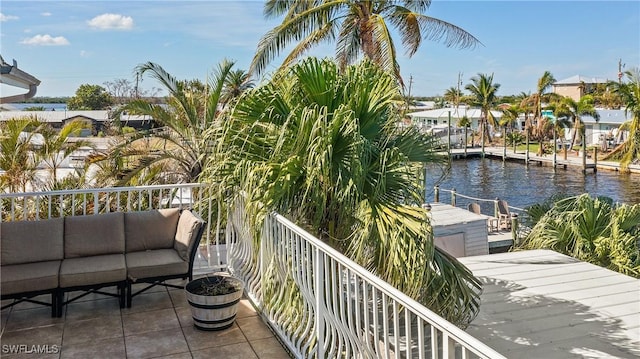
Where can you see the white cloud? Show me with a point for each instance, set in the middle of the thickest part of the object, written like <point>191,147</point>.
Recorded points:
<point>84,53</point>
<point>111,22</point>
<point>45,40</point>
<point>45,14</point>
<point>4,17</point>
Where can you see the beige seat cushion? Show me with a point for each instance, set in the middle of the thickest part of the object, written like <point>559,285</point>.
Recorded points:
<point>94,235</point>
<point>32,241</point>
<point>30,277</point>
<point>188,227</point>
<point>92,270</point>
<point>155,263</point>
<point>150,229</point>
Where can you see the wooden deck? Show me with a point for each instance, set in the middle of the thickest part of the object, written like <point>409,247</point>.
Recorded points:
<point>545,160</point>
<point>542,304</point>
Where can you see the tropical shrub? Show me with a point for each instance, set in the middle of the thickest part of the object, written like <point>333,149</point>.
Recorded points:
<point>590,229</point>
<point>323,148</point>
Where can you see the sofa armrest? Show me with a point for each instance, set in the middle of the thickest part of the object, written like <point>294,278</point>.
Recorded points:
<point>188,235</point>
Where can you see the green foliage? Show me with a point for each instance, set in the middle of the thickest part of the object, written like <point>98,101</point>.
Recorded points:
<point>483,91</point>
<point>20,156</point>
<point>190,126</point>
<point>322,147</point>
<point>128,130</point>
<point>16,150</point>
<point>590,229</point>
<point>34,108</point>
<point>90,97</point>
<point>357,27</point>
<point>515,138</point>
<point>629,93</point>
<point>44,99</point>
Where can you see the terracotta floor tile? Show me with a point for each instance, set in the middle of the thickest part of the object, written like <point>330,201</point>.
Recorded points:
<point>185,317</point>
<point>31,318</point>
<point>254,328</point>
<point>233,351</point>
<point>176,356</point>
<point>178,298</point>
<point>269,348</point>
<point>156,344</point>
<point>245,309</point>
<point>92,309</point>
<point>151,321</point>
<point>44,335</point>
<point>92,330</point>
<point>28,305</point>
<point>200,339</point>
<point>149,301</point>
<point>107,349</point>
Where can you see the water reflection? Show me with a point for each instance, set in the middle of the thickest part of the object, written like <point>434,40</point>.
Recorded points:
<point>522,186</point>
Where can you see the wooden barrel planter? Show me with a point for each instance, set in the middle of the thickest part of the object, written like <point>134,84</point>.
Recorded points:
<point>214,301</point>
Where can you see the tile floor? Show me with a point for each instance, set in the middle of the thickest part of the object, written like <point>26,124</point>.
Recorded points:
<point>158,325</point>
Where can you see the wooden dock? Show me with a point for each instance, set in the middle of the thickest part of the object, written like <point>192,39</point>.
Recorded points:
<point>532,158</point>
<point>542,304</point>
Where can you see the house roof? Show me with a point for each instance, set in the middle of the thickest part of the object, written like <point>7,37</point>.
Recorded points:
<point>578,79</point>
<point>609,117</point>
<point>62,116</point>
<point>443,113</point>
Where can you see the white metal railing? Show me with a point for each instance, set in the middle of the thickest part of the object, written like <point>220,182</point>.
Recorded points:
<point>323,305</point>
<point>319,302</point>
<point>51,204</point>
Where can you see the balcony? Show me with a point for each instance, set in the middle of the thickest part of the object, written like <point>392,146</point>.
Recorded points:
<point>314,300</point>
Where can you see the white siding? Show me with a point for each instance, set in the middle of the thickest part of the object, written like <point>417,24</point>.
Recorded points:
<point>451,221</point>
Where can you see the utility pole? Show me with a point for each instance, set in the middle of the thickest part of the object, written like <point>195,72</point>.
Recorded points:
<point>458,90</point>
<point>620,67</point>
<point>137,80</point>
<point>409,92</point>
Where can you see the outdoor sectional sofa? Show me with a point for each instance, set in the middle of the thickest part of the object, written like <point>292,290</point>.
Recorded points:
<point>87,253</point>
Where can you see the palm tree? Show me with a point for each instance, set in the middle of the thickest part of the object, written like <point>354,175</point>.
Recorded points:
<point>453,95</point>
<point>16,154</point>
<point>509,118</point>
<point>574,111</point>
<point>466,123</point>
<point>237,82</point>
<point>590,229</point>
<point>321,147</point>
<point>56,146</point>
<point>358,27</point>
<point>544,83</point>
<point>177,151</point>
<point>630,94</point>
<point>483,92</point>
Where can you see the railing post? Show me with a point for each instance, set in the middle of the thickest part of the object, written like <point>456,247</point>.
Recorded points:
<point>496,210</point>
<point>595,159</point>
<point>526,154</point>
<point>319,315</point>
<point>96,204</point>
<point>504,140</point>
<point>436,194</point>
<point>514,228</point>
<point>453,197</point>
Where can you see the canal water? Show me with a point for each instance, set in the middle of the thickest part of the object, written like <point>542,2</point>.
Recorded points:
<point>522,186</point>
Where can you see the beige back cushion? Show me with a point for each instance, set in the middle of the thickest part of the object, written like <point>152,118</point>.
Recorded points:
<point>188,227</point>
<point>94,235</point>
<point>32,241</point>
<point>150,229</point>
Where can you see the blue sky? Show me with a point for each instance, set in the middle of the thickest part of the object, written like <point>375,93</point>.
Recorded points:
<point>66,44</point>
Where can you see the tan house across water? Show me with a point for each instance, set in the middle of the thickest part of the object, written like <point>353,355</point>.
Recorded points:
<point>577,86</point>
